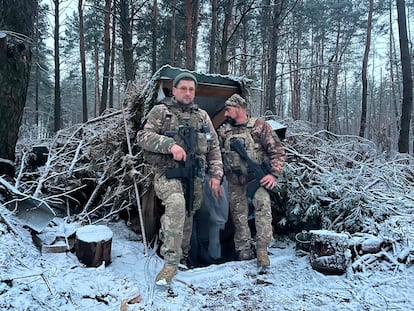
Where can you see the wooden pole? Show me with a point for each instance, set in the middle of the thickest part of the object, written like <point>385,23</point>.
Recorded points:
<point>141,220</point>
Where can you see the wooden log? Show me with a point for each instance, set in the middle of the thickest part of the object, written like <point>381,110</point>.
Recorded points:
<point>93,245</point>
<point>329,252</point>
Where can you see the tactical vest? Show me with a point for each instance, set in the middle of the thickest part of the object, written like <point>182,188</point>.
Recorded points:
<point>174,118</point>
<point>231,159</point>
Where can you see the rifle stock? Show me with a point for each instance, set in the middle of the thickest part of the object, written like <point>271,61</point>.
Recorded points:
<point>259,170</point>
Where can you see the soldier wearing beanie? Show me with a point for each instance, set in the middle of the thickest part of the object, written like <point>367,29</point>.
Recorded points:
<point>184,76</point>
<point>165,152</point>
<point>236,101</point>
<point>262,145</point>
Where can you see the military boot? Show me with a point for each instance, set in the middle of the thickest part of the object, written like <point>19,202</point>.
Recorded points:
<point>262,257</point>
<point>166,275</point>
<point>184,263</point>
<point>245,254</point>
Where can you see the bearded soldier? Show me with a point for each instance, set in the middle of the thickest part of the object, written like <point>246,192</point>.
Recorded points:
<point>262,146</point>
<point>180,142</point>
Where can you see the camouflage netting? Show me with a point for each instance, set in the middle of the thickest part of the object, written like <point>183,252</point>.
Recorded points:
<point>148,94</point>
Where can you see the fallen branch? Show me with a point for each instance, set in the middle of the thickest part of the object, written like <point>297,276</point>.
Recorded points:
<point>301,156</point>
<point>8,222</point>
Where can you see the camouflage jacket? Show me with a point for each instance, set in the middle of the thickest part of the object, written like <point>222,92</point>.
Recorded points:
<point>264,145</point>
<point>165,117</point>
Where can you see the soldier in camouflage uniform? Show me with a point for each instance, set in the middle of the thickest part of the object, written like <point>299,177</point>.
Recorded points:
<point>261,144</point>
<point>165,152</point>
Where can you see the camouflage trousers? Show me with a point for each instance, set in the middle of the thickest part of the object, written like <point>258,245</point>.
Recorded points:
<point>176,225</point>
<point>239,214</point>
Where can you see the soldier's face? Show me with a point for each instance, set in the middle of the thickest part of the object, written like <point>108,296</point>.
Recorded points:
<point>185,91</point>
<point>231,112</point>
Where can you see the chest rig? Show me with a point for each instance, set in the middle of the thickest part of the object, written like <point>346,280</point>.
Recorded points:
<point>231,159</point>
<point>190,117</point>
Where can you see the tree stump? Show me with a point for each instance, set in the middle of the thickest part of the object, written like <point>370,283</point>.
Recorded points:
<point>329,252</point>
<point>93,245</point>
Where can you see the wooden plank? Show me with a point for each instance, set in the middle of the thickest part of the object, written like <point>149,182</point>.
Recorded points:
<point>216,91</point>
<point>204,89</point>
<point>52,243</point>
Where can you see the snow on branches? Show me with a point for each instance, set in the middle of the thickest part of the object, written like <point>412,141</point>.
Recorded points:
<point>342,183</point>
<point>335,182</point>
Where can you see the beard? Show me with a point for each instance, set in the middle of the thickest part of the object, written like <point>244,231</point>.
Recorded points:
<point>231,121</point>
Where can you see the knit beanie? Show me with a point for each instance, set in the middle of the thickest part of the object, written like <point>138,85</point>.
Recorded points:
<point>236,100</point>
<point>185,76</point>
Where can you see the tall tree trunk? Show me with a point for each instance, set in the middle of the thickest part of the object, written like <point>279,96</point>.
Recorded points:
<point>126,34</point>
<point>296,75</point>
<point>194,30</point>
<point>112,66</point>
<point>58,109</point>
<point>346,109</point>
<point>326,105</point>
<point>232,21</point>
<point>213,36</point>
<point>172,34</point>
<point>265,15</point>
<point>331,104</point>
<point>16,16</point>
<point>382,116</point>
<point>83,62</point>
<point>37,71</point>
<point>188,35</point>
<point>291,87</point>
<point>225,35</point>
<point>154,36</point>
<point>243,48</point>
<point>320,95</point>
<point>333,113</point>
<point>407,102</point>
<point>392,55</point>
<point>313,81</point>
<point>273,45</point>
<point>96,83</point>
<point>107,56</point>
<point>372,109</point>
<point>364,72</point>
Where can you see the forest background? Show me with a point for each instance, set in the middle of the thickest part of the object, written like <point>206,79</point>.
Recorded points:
<point>343,65</point>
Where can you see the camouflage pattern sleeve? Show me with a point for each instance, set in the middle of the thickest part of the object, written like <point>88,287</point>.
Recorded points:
<point>149,137</point>
<point>213,157</point>
<point>271,145</point>
<point>220,134</point>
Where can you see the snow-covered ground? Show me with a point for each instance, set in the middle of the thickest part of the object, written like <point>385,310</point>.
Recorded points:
<point>58,281</point>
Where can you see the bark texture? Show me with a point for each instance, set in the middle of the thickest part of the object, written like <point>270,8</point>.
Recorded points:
<point>17,21</point>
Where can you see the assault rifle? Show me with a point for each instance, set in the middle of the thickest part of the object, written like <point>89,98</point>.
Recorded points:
<point>190,168</point>
<point>258,170</point>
